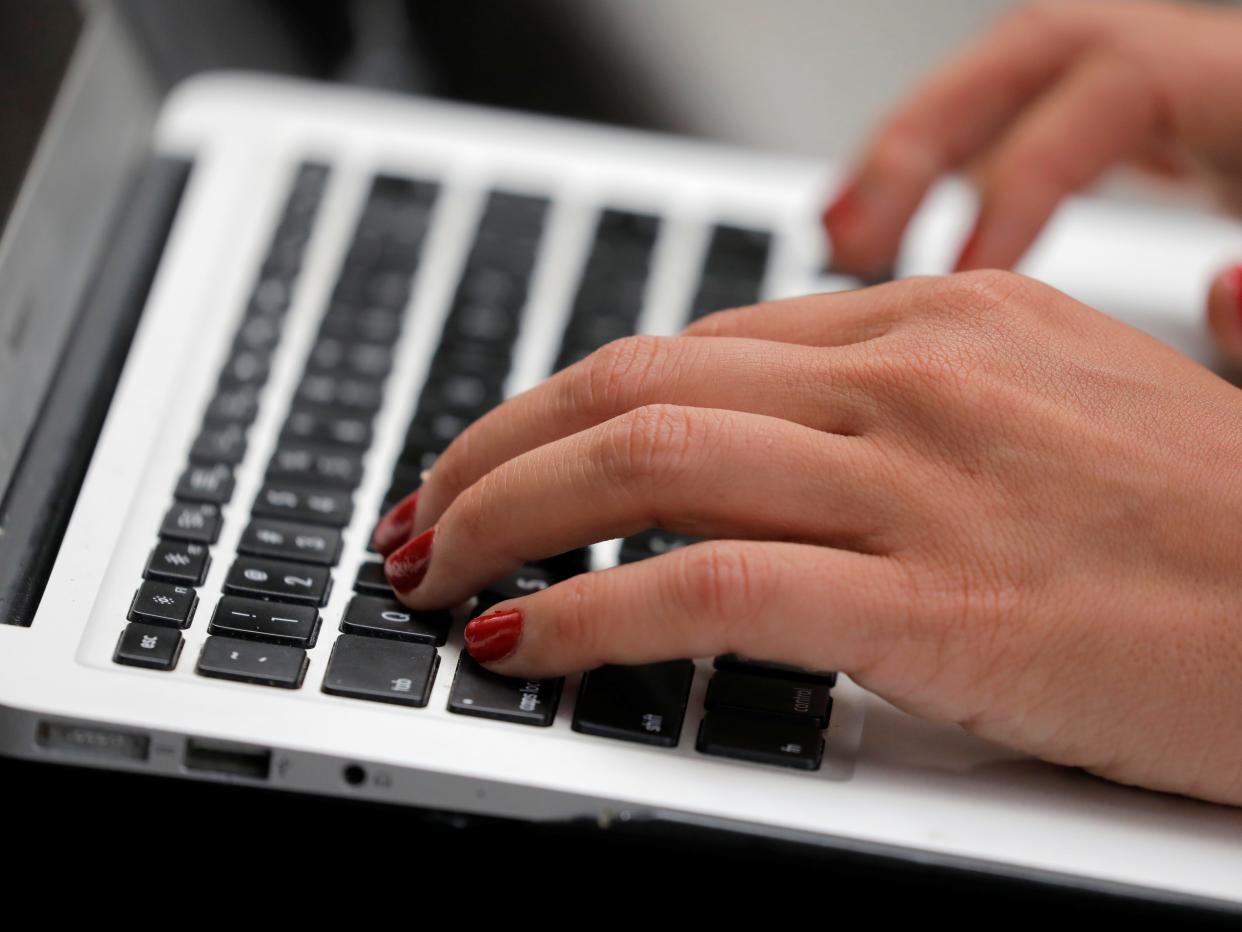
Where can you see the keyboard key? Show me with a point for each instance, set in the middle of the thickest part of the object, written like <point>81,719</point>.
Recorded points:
<point>743,693</point>
<point>478,691</point>
<point>211,483</point>
<point>255,619</point>
<point>252,662</point>
<point>178,561</point>
<point>296,503</point>
<point>381,671</point>
<point>736,663</point>
<point>196,521</point>
<point>353,395</point>
<point>316,425</point>
<point>372,581</point>
<point>641,703</point>
<point>277,580</point>
<point>299,463</point>
<point>388,618</point>
<point>158,603</point>
<point>245,368</point>
<point>229,406</point>
<point>286,540</point>
<point>569,563</point>
<point>653,543</point>
<point>530,578</point>
<point>149,646</point>
<point>220,445</point>
<point>761,741</point>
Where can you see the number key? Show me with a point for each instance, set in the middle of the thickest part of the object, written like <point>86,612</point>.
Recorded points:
<point>273,579</point>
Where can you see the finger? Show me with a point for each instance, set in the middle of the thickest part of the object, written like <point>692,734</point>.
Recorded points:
<point>690,470</point>
<point>1224,312</point>
<point>957,113</point>
<point>741,375</point>
<point>1098,114</point>
<point>790,603</point>
<point>842,318</point>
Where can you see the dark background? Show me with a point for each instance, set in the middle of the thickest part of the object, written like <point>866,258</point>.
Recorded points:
<point>215,851</point>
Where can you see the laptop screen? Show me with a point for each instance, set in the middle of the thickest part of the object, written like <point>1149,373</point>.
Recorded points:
<point>36,44</point>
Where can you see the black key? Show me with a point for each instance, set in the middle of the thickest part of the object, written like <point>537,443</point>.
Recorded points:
<point>196,521</point>
<point>653,543</point>
<point>212,483</point>
<point>369,360</point>
<point>525,581</point>
<point>236,405</point>
<point>220,445</point>
<point>285,540</point>
<point>178,561</point>
<point>158,603</point>
<point>478,691</point>
<point>642,703</point>
<point>569,563</point>
<point>345,393</point>
<point>762,741</point>
<point>371,580</point>
<point>736,663</point>
<point>274,579</point>
<point>245,368</point>
<point>148,646</point>
<point>733,269</point>
<point>434,430</point>
<point>313,506</point>
<point>255,619</point>
<point>744,693</point>
<point>313,466</point>
<point>252,662</point>
<point>461,392</point>
<point>382,671</point>
<point>388,618</point>
<point>317,425</point>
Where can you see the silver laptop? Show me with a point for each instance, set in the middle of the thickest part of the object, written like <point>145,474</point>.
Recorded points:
<point>235,326</point>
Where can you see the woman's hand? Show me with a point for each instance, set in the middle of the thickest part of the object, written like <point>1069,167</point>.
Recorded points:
<point>1044,104</point>
<point>984,501</point>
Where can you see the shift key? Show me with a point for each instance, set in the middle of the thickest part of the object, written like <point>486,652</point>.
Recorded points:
<point>641,703</point>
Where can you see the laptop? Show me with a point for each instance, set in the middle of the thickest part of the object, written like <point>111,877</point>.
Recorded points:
<point>236,325</point>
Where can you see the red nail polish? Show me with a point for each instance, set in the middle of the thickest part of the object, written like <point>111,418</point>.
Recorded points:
<point>845,210</point>
<point>1233,279</point>
<point>965,258</point>
<point>407,565</point>
<point>493,637</point>
<point>395,526</point>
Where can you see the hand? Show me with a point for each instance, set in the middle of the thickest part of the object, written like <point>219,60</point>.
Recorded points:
<point>982,500</point>
<point>1042,106</point>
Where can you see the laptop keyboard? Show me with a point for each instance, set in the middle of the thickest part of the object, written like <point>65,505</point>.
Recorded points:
<point>268,616</point>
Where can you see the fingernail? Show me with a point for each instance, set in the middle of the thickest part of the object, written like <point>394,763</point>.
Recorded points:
<point>965,258</point>
<point>407,565</point>
<point>395,526</point>
<point>1233,281</point>
<point>495,636</point>
<point>845,209</point>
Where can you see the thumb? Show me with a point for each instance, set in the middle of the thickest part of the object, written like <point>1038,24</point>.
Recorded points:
<point>1224,312</point>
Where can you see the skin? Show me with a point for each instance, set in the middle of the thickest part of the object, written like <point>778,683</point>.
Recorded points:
<point>983,500</point>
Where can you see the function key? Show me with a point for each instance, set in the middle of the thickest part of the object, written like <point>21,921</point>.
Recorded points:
<point>639,703</point>
<point>212,483</point>
<point>388,618</point>
<point>784,744</point>
<point>286,540</point>
<point>274,579</point>
<point>252,662</point>
<point>299,463</point>
<point>381,671</point>
<point>165,604</point>
<point>178,561</point>
<point>220,445</point>
<point>266,621</point>
<point>746,694</point>
<point>479,691</point>
<point>196,521</point>
<point>148,646</point>
<point>736,663</point>
<point>313,506</point>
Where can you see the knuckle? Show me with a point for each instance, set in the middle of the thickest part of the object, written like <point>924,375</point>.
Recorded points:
<point>645,444</point>
<point>724,581</point>
<point>618,375</point>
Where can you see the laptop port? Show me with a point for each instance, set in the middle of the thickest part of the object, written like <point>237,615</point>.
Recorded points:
<point>234,760</point>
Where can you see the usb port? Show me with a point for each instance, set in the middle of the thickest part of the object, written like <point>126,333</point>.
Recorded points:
<point>234,760</point>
